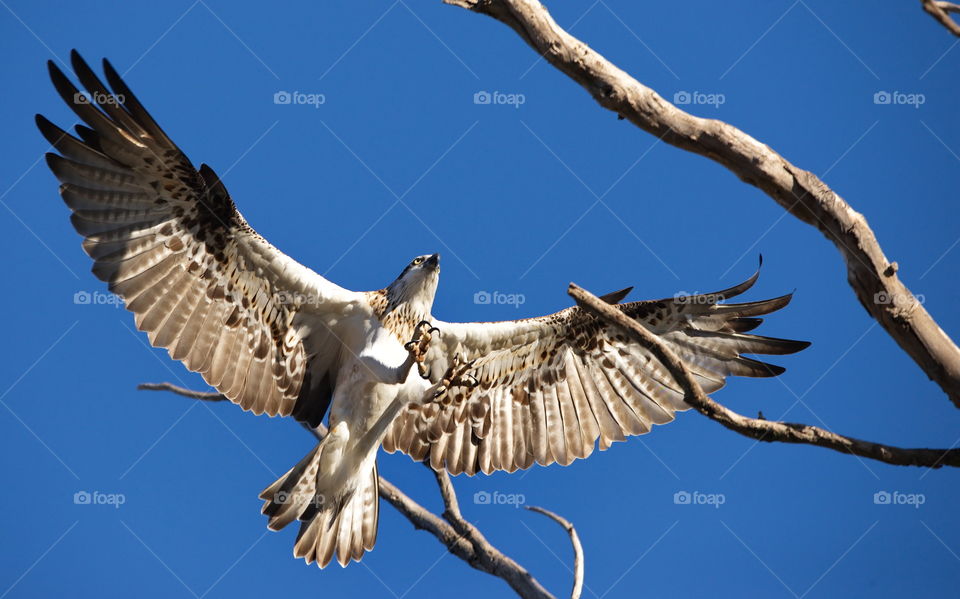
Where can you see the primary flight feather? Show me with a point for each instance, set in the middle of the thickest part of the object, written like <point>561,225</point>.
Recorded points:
<point>275,337</point>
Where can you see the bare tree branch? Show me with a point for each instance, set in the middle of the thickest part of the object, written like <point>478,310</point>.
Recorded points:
<point>460,537</point>
<point>577,548</point>
<point>801,193</point>
<point>939,11</point>
<point>762,430</point>
<point>204,395</point>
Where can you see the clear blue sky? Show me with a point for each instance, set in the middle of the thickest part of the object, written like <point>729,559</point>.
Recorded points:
<point>400,161</point>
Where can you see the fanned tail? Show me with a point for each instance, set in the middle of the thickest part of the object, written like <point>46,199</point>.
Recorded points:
<point>345,523</point>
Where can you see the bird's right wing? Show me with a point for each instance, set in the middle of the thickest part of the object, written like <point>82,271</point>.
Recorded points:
<point>168,239</point>
<point>549,388</point>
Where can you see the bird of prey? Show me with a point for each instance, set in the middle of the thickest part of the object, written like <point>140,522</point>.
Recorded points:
<point>276,338</point>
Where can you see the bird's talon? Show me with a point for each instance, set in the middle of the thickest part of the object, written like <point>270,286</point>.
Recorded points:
<point>420,343</point>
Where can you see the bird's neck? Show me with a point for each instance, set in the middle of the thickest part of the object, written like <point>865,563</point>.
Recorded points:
<point>400,317</point>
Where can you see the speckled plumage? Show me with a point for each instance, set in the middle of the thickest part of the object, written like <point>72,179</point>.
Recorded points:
<point>277,338</point>
<point>551,388</point>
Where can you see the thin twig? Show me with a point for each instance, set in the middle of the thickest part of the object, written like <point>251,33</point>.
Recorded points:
<point>204,395</point>
<point>577,548</point>
<point>939,11</point>
<point>762,430</point>
<point>871,275</point>
<point>460,537</point>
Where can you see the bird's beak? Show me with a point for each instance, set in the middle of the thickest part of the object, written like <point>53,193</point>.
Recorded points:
<point>434,261</point>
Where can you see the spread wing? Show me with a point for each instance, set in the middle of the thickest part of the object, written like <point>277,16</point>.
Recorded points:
<point>167,238</point>
<point>550,387</point>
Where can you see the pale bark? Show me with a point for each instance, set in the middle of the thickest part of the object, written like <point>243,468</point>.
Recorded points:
<point>871,275</point>
<point>940,11</point>
<point>755,428</point>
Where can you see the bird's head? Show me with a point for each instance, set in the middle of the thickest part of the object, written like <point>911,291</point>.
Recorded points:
<point>416,285</point>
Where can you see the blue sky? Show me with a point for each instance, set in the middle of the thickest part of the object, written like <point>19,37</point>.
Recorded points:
<point>520,198</point>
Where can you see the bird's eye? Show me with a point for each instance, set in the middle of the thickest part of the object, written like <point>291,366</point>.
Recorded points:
<point>417,261</point>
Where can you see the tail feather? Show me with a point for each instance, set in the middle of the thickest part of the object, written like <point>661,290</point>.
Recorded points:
<point>293,493</point>
<point>345,526</point>
<point>348,529</point>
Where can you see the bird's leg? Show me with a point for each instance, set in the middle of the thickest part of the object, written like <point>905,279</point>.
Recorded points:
<point>417,347</point>
<point>441,396</point>
<point>416,353</point>
<point>458,375</point>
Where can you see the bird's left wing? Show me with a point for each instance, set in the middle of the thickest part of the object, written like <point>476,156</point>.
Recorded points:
<point>550,387</point>
<point>167,238</point>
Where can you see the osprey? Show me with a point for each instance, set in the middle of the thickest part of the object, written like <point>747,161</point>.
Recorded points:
<point>276,338</point>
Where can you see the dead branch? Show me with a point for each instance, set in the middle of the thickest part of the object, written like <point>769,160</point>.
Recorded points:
<point>759,429</point>
<point>460,537</point>
<point>577,548</point>
<point>204,395</point>
<point>939,11</point>
<point>873,278</point>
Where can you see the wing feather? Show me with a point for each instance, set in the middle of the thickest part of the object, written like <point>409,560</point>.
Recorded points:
<point>589,426</point>
<point>541,439</point>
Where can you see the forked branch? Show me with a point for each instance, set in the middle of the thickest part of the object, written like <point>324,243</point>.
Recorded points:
<point>461,538</point>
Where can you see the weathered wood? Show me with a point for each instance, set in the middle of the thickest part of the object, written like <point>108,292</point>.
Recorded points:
<point>756,428</point>
<point>871,275</point>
